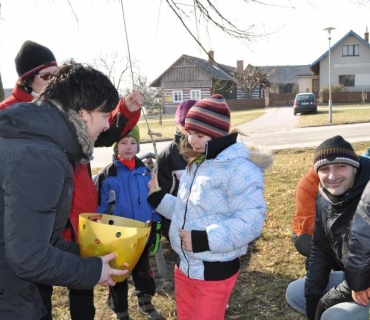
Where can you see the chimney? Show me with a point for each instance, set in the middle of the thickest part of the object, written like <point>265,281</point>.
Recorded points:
<point>240,66</point>
<point>366,35</point>
<point>211,57</point>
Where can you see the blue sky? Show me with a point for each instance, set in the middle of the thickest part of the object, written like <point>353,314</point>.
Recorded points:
<point>157,39</point>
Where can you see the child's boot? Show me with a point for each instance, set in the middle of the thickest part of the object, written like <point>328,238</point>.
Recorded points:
<point>123,316</point>
<point>146,307</point>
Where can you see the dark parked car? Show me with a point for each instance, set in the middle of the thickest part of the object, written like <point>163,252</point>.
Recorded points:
<point>305,102</point>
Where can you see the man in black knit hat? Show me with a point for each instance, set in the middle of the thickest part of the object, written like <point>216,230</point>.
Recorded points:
<point>343,176</point>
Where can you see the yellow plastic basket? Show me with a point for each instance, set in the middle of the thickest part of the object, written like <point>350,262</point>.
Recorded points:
<point>100,234</point>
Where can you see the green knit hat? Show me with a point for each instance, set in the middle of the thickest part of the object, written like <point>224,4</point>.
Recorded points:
<point>134,133</point>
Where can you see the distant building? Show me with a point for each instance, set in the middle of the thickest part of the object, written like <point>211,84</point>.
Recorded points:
<point>350,64</point>
<point>195,78</point>
<point>285,79</point>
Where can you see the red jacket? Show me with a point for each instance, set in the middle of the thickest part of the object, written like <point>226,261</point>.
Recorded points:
<point>84,198</point>
<point>305,203</point>
<point>18,95</point>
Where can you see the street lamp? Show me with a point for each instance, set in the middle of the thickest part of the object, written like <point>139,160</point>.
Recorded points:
<point>330,103</point>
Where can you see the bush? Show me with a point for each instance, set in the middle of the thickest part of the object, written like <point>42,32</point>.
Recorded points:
<point>338,88</point>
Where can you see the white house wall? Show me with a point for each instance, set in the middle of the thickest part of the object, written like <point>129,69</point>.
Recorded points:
<point>357,65</point>
<point>205,92</point>
<point>305,84</point>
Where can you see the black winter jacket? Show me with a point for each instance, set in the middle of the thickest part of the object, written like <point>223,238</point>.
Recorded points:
<point>170,164</point>
<point>38,144</point>
<point>329,245</point>
<point>357,266</point>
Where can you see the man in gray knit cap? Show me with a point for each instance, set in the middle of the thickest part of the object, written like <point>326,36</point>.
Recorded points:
<point>323,293</point>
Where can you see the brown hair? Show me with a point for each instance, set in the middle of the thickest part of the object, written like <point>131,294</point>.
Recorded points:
<point>26,83</point>
<point>188,153</point>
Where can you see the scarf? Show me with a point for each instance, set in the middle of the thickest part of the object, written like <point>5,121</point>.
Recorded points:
<point>130,164</point>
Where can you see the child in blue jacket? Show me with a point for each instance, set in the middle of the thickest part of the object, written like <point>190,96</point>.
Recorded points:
<point>122,191</point>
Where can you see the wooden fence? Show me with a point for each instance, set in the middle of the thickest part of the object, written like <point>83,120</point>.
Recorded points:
<point>347,97</point>
<point>287,99</point>
<point>281,99</point>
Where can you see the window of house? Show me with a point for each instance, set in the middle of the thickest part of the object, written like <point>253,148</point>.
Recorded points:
<point>195,94</point>
<point>286,88</point>
<point>177,96</point>
<point>348,80</point>
<point>351,50</point>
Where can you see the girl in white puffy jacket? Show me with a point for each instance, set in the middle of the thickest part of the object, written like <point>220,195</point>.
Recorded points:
<point>218,210</point>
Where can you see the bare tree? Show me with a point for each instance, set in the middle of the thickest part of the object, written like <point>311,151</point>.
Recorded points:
<point>251,78</point>
<point>204,13</point>
<point>207,11</point>
<point>201,13</point>
<point>152,96</point>
<point>114,67</point>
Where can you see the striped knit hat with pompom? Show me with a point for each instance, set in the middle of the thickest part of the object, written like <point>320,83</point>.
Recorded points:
<point>209,116</point>
<point>335,150</point>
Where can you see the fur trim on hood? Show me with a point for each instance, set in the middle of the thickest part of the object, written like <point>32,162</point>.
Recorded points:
<point>83,136</point>
<point>260,156</point>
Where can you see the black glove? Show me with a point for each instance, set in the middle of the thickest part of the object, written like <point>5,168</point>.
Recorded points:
<point>335,295</point>
<point>303,244</point>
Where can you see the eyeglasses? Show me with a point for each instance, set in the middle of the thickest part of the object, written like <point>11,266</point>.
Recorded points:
<point>45,77</point>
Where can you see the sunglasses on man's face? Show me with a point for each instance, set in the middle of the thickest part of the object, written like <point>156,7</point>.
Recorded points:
<point>45,77</point>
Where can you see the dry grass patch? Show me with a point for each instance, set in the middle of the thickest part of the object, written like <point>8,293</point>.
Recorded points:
<point>341,114</point>
<point>271,263</point>
<point>168,126</point>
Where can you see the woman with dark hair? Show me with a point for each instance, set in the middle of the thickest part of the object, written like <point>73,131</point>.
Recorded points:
<point>84,198</point>
<point>42,143</point>
<point>36,65</point>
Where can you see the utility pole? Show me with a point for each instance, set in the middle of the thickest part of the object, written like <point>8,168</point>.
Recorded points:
<point>329,29</point>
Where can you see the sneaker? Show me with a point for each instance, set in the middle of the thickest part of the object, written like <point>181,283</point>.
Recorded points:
<point>145,307</point>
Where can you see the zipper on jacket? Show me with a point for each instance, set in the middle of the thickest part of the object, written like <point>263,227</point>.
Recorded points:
<point>117,121</point>
<point>186,211</point>
<point>145,173</point>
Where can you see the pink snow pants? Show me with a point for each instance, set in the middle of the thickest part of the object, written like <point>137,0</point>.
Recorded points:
<point>202,300</point>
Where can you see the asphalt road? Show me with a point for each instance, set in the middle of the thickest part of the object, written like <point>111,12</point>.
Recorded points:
<point>275,130</point>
